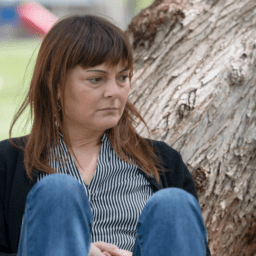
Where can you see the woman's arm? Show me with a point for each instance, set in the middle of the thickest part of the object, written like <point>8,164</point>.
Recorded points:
<point>179,175</point>
<point>3,234</point>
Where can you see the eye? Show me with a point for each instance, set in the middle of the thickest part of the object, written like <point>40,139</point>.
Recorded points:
<point>125,78</point>
<point>93,80</point>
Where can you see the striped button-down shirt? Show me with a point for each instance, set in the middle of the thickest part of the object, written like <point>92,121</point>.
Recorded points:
<point>117,194</point>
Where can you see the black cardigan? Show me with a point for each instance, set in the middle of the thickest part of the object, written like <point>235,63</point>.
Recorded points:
<point>15,186</point>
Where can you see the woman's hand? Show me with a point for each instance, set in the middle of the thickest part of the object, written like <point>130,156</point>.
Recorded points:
<point>123,253</point>
<point>126,253</point>
<point>105,249</point>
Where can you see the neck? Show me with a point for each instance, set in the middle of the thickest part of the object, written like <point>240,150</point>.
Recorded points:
<point>85,139</point>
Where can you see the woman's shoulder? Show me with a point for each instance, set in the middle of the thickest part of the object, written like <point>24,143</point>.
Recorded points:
<point>168,156</point>
<point>7,148</point>
<point>163,148</point>
<point>10,156</point>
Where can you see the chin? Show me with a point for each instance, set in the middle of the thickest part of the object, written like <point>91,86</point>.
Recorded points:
<point>105,123</point>
<point>109,124</point>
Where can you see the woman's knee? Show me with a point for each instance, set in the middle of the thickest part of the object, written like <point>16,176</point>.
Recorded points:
<point>57,185</point>
<point>172,197</point>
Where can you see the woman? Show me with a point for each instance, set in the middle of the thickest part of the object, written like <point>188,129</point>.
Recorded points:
<point>83,182</point>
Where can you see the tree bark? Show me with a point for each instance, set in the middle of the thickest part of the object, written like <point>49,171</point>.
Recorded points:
<point>195,85</point>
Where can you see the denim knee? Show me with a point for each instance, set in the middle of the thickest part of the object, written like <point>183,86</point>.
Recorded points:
<point>174,197</point>
<point>180,203</point>
<point>56,186</point>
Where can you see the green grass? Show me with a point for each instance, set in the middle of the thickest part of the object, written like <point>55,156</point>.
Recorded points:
<point>16,70</point>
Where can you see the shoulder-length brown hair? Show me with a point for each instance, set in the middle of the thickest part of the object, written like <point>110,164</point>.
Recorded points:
<point>88,41</point>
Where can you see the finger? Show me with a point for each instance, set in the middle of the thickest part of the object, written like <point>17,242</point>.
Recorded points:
<point>107,254</point>
<point>109,248</point>
<point>95,251</point>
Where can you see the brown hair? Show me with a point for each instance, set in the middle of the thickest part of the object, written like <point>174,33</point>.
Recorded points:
<point>88,41</point>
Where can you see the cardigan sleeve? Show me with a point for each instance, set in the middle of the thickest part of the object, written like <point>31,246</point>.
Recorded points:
<point>4,247</point>
<point>188,185</point>
<point>178,174</point>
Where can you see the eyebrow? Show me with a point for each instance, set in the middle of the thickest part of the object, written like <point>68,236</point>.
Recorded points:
<point>102,71</point>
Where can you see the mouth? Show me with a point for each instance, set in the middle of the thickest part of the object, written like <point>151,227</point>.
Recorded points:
<point>109,109</point>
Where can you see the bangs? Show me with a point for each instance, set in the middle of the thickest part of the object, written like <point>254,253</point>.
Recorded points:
<point>98,44</point>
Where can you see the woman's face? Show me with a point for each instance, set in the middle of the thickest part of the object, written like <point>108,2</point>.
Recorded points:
<point>95,97</point>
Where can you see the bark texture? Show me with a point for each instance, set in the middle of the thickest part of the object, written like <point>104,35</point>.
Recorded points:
<point>195,85</point>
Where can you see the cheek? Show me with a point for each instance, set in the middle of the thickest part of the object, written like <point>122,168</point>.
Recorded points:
<point>81,100</point>
<point>85,95</point>
<point>126,94</point>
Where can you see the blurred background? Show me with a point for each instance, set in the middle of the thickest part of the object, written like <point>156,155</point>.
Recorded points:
<point>23,25</point>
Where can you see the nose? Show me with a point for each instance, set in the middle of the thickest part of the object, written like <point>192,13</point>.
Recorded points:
<point>112,89</point>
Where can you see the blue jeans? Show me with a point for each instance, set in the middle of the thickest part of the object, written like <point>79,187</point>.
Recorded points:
<point>58,221</point>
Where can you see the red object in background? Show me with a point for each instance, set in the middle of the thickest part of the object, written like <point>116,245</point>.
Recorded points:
<point>36,18</point>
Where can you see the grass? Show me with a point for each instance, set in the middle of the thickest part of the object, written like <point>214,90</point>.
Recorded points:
<point>16,70</point>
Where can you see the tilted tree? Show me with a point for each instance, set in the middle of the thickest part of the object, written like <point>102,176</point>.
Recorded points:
<point>195,84</point>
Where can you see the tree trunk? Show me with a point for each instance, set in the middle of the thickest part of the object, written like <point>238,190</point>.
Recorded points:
<point>195,85</point>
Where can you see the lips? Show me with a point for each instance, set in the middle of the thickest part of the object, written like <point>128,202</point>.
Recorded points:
<point>109,109</point>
